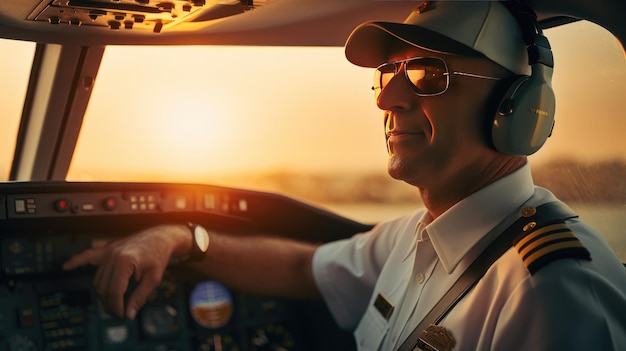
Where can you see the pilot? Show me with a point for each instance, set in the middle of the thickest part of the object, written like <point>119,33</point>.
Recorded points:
<point>465,91</point>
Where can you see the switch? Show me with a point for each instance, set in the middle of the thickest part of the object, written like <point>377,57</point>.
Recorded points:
<point>114,25</point>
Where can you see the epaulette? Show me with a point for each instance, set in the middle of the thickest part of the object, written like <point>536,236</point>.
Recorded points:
<point>540,244</point>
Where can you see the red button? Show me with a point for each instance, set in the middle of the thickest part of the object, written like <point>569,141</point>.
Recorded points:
<point>110,203</point>
<point>62,205</point>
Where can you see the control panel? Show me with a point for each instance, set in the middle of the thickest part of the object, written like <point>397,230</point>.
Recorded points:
<point>46,308</point>
<point>138,15</point>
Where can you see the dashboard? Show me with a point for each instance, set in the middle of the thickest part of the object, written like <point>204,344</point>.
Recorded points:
<point>46,308</point>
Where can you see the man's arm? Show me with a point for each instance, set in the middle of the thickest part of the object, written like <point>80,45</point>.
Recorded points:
<point>253,264</point>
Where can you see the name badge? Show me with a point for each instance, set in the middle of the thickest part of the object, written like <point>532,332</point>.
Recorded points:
<point>384,306</point>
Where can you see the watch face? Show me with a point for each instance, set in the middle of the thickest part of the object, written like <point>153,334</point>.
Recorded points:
<point>202,238</point>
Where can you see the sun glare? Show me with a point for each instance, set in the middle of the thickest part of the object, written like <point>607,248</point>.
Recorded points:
<point>188,129</point>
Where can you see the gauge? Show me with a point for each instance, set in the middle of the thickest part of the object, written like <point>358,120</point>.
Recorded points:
<point>272,337</point>
<point>158,321</point>
<point>211,304</point>
<point>219,342</point>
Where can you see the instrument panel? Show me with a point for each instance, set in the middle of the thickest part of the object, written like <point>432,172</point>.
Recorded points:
<point>46,308</point>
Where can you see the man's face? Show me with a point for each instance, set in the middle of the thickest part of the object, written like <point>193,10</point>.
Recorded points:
<point>432,140</point>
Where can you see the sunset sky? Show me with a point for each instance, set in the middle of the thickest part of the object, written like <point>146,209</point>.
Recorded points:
<point>180,114</point>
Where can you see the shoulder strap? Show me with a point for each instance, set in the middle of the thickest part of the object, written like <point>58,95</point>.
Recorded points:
<point>531,221</point>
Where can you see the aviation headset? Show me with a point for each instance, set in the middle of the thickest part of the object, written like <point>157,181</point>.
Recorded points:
<point>524,115</point>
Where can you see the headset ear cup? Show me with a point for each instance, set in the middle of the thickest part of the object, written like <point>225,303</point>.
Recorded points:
<point>525,115</point>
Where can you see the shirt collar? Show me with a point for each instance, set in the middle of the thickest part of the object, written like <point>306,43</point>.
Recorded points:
<point>462,226</point>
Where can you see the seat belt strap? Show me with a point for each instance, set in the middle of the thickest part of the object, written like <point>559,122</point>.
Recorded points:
<point>530,218</point>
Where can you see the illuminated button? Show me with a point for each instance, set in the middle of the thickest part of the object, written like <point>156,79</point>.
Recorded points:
<point>31,207</point>
<point>62,205</point>
<point>243,205</point>
<point>88,207</point>
<point>109,203</point>
<point>20,206</point>
<point>210,201</point>
<point>180,203</point>
<point>25,206</point>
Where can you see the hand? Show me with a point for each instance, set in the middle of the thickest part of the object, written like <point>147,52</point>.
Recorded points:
<point>143,256</point>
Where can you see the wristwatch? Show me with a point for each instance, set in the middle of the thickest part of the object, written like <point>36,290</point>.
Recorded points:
<point>200,242</point>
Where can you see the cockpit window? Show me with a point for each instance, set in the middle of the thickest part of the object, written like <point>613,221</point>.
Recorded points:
<point>303,122</point>
<point>17,59</point>
<point>252,117</point>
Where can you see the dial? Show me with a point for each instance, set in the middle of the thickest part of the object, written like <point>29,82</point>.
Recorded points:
<point>211,304</point>
<point>158,321</point>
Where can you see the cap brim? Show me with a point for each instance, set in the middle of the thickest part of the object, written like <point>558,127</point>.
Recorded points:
<point>368,45</point>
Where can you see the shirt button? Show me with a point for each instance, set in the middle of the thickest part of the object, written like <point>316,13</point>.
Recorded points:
<point>419,277</point>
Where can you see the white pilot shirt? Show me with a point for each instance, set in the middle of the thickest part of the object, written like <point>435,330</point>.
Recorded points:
<point>569,304</point>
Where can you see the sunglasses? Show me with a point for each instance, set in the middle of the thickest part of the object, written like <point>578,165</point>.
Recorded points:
<point>429,76</point>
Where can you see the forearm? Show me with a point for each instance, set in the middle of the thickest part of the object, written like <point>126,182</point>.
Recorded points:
<point>260,265</point>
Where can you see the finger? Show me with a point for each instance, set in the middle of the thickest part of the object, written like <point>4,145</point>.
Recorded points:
<point>111,283</point>
<point>146,284</point>
<point>90,256</point>
<point>117,283</point>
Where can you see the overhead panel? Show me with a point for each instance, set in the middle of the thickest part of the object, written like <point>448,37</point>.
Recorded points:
<point>138,15</point>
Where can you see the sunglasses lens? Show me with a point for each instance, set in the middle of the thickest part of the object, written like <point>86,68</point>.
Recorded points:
<point>427,75</point>
<point>383,75</point>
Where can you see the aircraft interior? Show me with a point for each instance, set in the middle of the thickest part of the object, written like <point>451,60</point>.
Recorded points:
<point>50,211</point>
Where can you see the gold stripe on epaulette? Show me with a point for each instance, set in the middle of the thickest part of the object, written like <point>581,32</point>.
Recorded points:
<point>552,248</point>
<point>524,250</point>
<point>539,231</point>
<point>549,243</point>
